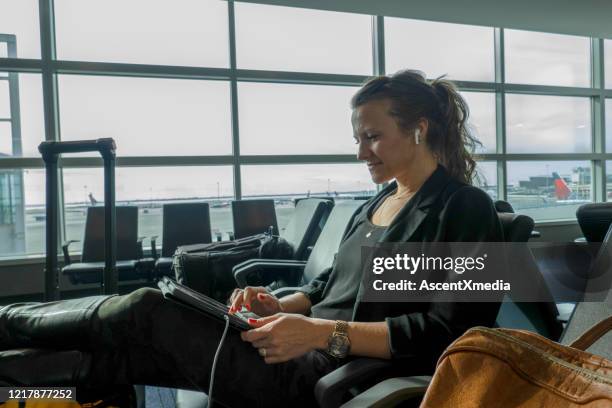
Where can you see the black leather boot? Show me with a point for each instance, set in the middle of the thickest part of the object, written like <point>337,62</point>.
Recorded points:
<point>65,324</point>
<point>67,368</point>
<point>32,367</point>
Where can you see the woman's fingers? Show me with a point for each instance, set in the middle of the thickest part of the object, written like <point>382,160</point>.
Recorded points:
<point>250,294</point>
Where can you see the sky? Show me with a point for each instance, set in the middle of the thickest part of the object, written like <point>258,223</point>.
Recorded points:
<point>188,117</point>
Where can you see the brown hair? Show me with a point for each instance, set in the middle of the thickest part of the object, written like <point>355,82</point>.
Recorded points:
<point>413,97</point>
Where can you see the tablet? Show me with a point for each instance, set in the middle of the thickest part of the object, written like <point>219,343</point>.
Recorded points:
<point>202,303</point>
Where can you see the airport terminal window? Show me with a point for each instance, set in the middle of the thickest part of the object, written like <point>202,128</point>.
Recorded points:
<point>547,59</point>
<point>295,119</point>
<point>482,119</point>
<point>169,125</point>
<point>294,39</point>
<point>147,116</point>
<point>462,52</point>
<point>548,124</point>
<point>149,188</point>
<point>20,19</point>
<point>143,31</point>
<point>549,190</point>
<point>22,212</point>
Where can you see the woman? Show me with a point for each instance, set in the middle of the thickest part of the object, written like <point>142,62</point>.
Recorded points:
<point>407,130</point>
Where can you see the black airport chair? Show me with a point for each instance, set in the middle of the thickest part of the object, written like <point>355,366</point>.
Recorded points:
<point>594,220</point>
<point>183,224</point>
<point>253,217</point>
<point>129,247</point>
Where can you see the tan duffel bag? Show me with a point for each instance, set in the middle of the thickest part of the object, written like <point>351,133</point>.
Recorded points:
<point>516,368</point>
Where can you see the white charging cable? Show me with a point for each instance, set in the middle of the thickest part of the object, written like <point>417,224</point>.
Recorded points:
<point>214,364</point>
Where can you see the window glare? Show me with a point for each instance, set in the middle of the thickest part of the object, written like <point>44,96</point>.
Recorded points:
<point>547,59</point>
<point>294,39</point>
<point>192,34</point>
<point>459,51</point>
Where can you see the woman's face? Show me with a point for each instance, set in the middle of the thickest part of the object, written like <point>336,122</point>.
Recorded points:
<point>389,151</point>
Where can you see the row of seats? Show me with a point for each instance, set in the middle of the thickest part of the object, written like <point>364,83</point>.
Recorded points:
<point>184,224</point>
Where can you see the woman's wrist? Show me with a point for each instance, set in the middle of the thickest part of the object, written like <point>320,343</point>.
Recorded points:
<point>322,329</point>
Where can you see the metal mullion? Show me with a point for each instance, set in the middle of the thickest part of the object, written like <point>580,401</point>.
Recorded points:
<point>234,101</point>
<point>378,45</point>
<point>5,119</point>
<point>150,161</point>
<point>598,119</point>
<point>50,94</point>
<point>299,159</point>
<point>500,114</point>
<point>20,65</point>
<point>545,156</point>
<point>21,163</point>
<point>139,70</point>
<point>549,90</point>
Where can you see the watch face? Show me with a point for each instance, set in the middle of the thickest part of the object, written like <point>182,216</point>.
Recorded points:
<point>339,346</point>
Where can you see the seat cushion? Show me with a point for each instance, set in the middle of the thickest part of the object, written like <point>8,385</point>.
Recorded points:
<point>91,272</point>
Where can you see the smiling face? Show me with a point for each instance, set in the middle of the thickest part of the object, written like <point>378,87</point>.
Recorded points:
<point>388,150</point>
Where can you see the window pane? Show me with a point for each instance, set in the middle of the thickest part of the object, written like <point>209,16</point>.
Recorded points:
<point>547,59</point>
<point>549,190</point>
<point>609,125</point>
<point>608,62</point>
<point>292,39</point>
<point>145,116</point>
<point>29,130</point>
<point>338,181</point>
<point>608,180</point>
<point>143,31</point>
<point>3,50</point>
<point>149,188</point>
<point>548,124</point>
<point>487,177</point>
<point>295,119</point>
<point>19,18</point>
<point>22,212</point>
<point>307,179</point>
<point>482,119</point>
<point>460,51</point>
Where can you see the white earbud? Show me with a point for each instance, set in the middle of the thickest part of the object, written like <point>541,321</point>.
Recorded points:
<point>417,134</point>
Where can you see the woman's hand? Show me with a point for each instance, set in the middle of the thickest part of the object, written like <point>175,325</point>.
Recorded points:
<point>255,299</point>
<point>283,336</point>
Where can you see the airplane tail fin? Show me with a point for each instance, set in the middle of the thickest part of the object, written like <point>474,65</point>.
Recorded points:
<point>562,190</point>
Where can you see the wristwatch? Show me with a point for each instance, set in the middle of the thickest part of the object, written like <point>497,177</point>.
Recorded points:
<point>338,344</point>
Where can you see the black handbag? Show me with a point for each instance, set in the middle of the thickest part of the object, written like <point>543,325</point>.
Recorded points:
<point>207,268</point>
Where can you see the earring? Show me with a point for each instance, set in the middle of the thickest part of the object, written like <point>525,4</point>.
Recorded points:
<point>417,133</point>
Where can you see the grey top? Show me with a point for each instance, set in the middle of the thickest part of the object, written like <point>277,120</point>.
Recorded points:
<point>340,292</point>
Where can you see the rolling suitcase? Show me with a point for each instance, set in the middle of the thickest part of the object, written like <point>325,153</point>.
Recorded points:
<point>50,153</point>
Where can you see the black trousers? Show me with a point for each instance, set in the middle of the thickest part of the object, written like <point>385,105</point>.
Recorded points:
<point>142,338</point>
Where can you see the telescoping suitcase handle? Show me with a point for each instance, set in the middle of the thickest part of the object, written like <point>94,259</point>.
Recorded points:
<point>50,152</point>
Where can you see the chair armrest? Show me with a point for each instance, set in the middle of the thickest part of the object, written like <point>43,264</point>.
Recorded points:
<point>535,234</point>
<point>65,250</point>
<point>277,267</point>
<point>154,247</point>
<point>140,250</point>
<point>391,392</point>
<point>331,388</point>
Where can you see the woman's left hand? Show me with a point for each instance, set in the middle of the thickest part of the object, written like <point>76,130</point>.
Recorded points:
<point>282,337</point>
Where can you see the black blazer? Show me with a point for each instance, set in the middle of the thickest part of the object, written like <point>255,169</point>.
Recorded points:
<point>443,210</point>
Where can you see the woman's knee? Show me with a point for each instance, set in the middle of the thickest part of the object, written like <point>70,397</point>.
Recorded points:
<point>131,309</point>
